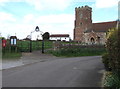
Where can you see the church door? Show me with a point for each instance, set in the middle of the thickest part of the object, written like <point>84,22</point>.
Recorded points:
<point>92,40</point>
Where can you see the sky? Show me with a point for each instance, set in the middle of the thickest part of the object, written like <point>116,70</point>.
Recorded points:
<point>20,17</point>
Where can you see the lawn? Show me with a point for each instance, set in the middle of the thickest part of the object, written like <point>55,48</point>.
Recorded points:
<point>11,55</point>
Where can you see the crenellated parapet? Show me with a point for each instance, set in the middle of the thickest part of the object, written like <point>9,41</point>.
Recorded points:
<point>83,8</point>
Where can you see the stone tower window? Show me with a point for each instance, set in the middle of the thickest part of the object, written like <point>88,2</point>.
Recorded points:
<point>81,23</point>
<point>81,15</point>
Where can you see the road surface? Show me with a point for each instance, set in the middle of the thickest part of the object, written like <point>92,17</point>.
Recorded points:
<point>64,72</point>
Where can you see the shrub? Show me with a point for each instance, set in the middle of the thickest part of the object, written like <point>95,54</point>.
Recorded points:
<point>112,59</point>
<point>105,60</point>
<point>112,80</point>
<point>113,49</point>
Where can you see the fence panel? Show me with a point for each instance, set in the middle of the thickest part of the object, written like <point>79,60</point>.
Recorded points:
<point>24,46</point>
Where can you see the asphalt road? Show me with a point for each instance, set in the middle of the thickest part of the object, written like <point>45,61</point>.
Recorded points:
<point>64,72</point>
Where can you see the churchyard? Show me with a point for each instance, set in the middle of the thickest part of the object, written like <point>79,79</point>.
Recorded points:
<point>57,48</point>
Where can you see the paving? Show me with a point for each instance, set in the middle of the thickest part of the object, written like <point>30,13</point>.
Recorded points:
<point>63,72</point>
<point>27,58</point>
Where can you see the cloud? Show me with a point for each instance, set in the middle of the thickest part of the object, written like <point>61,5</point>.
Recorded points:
<point>43,4</point>
<point>35,3</point>
<point>49,4</point>
<point>62,4</point>
<point>77,1</point>
<point>4,17</point>
<point>28,18</point>
<point>106,3</point>
<point>21,29</point>
<point>2,2</point>
<point>52,20</point>
<point>54,24</point>
<point>55,19</point>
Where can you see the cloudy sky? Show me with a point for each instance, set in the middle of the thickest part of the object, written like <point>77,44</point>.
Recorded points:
<point>20,17</point>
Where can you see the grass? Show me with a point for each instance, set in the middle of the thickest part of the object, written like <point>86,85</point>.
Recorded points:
<point>12,55</point>
<point>76,52</point>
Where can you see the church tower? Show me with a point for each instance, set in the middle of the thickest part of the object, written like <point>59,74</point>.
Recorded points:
<point>83,22</point>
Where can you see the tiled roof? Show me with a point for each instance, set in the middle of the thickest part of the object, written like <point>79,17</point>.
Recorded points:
<point>59,35</point>
<point>104,26</point>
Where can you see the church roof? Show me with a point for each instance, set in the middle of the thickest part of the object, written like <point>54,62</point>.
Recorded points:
<point>104,26</point>
<point>59,35</point>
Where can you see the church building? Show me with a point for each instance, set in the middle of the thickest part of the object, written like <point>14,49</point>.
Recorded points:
<point>87,32</point>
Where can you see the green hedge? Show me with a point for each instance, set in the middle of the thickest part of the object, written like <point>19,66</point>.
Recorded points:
<point>75,52</point>
<point>113,49</point>
<point>106,60</point>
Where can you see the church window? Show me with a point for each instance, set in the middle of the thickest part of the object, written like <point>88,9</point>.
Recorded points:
<point>81,23</point>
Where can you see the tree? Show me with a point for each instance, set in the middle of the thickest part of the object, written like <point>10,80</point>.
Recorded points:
<point>2,38</point>
<point>46,36</point>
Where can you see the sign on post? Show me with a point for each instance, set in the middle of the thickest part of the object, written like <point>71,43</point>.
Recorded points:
<point>13,43</point>
<point>13,40</point>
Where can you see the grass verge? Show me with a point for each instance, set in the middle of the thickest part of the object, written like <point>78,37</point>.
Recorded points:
<point>12,55</point>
